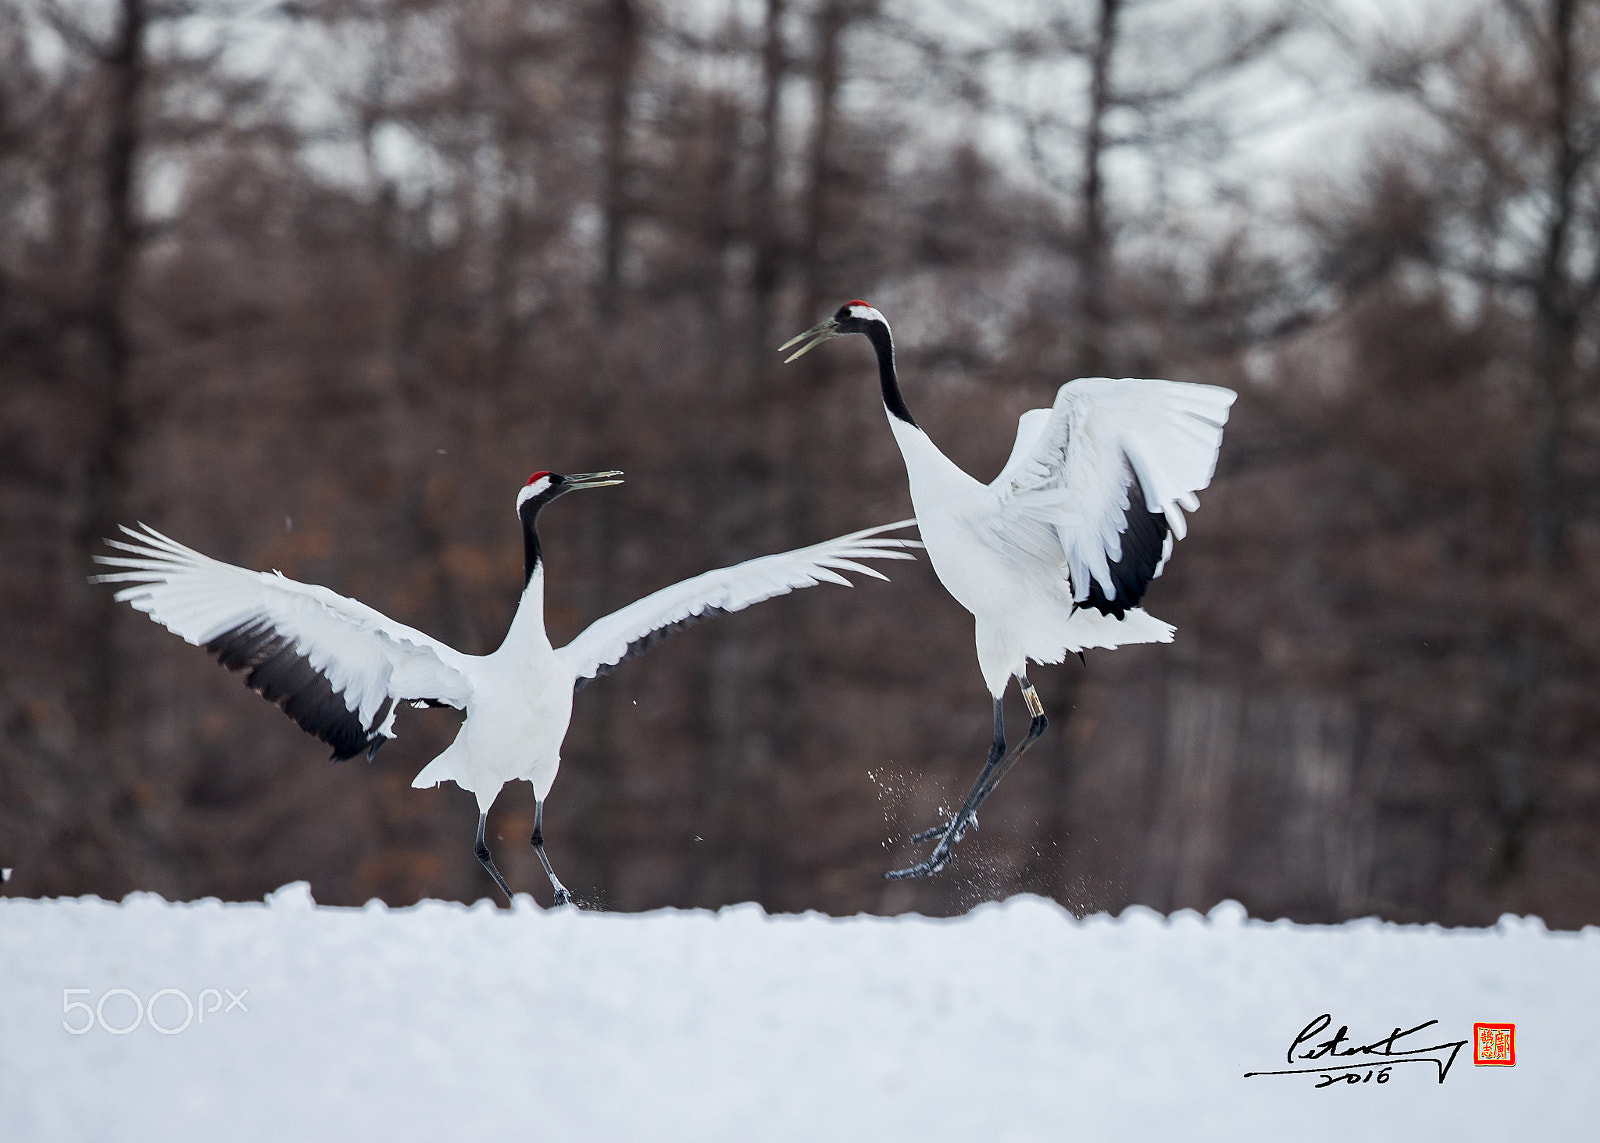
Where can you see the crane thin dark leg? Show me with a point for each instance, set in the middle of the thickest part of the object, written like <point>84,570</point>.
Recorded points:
<point>562,896</point>
<point>997,750</point>
<point>1035,728</point>
<point>988,779</point>
<point>481,851</point>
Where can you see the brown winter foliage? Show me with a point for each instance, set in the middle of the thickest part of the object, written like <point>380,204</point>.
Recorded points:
<point>316,286</point>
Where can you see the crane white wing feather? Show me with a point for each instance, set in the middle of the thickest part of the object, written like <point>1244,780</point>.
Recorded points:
<point>605,643</point>
<point>1029,426</point>
<point>1066,488</point>
<point>360,661</point>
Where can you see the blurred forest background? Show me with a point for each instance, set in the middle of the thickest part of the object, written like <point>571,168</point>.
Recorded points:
<point>314,284</point>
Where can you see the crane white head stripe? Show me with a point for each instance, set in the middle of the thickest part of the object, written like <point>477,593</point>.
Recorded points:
<point>842,322</point>
<point>554,484</point>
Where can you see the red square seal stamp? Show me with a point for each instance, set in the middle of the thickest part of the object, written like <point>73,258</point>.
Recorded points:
<point>1494,1044</point>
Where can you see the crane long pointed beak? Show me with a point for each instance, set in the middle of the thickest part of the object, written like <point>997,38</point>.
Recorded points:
<point>818,333</point>
<point>594,479</point>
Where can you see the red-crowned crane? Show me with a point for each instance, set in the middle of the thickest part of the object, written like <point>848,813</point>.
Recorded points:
<point>1054,554</point>
<point>340,669</point>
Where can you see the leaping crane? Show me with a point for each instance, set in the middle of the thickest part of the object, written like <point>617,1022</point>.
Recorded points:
<point>1052,556</point>
<point>340,669</point>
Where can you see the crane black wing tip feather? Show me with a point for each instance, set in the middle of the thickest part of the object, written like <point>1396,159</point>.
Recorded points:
<point>372,746</point>
<point>1143,543</point>
<point>279,673</point>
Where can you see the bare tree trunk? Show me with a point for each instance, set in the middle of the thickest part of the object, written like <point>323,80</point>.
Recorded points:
<point>623,21</point>
<point>1556,325</point>
<point>108,402</point>
<point>830,21</point>
<point>763,205</point>
<point>1189,837</point>
<point>1095,242</point>
<point>721,233</point>
<point>803,396</point>
<point>112,804</point>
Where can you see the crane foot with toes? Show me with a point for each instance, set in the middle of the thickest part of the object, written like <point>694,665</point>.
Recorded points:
<point>937,860</point>
<point>943,827</point>
<point>951,833</point>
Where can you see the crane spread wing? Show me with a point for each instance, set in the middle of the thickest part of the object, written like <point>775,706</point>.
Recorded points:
<point>606,643</point>
<point>335,666</point>
<point>1101,480</point>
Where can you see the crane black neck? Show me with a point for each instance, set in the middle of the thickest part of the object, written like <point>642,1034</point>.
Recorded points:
<point>529,515</point>
<point>883,345</point>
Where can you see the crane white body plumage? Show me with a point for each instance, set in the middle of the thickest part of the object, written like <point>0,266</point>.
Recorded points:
<point>519,707</point>
<point>1022,551</point>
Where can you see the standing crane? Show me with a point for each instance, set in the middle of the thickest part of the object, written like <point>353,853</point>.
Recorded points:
<point>1054,554</point>
<point>340,669</point>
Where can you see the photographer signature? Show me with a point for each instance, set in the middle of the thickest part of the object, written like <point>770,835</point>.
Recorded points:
<point>1350,1063</point>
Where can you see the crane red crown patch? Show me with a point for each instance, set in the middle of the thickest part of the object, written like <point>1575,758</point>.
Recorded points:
<point>858,302</point>
<point>535,476</point>
<point>1494,1044</point>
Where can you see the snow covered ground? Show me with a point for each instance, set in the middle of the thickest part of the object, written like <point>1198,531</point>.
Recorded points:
<point>1016,1022</point>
